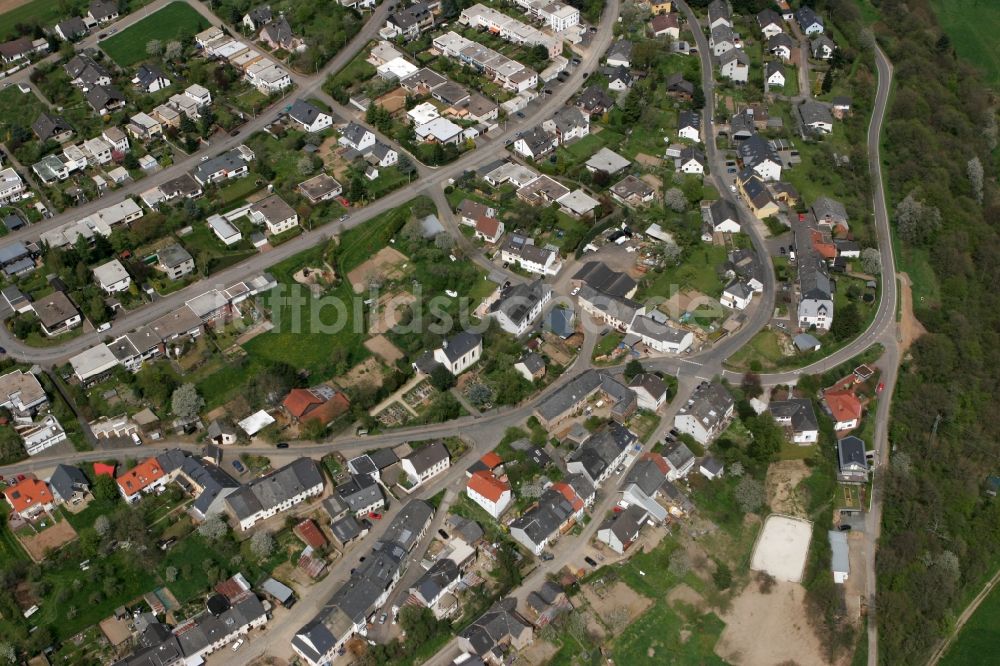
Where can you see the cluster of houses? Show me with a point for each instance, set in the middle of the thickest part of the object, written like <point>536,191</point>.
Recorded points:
<point>258,69</point>
<point>110,146</point>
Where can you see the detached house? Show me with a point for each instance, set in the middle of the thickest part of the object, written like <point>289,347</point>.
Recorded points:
<point>815,117</point>
<point>102,11</point>
<point>722,39</point>
<point>320,403</point>
<point>29,497</point>
<point>810,23</point>
<point>798,417</point>
<point>719,14</point>
<point>56,313</point>
<point>707,413</point>
<point>278,35</point>
<point>689,126</point>
<point>844,407</point>
<point>735,65</point>
<point>520,305</point>
<point>781,45</point>
<point>774,73</point>
<point>535,143</point>
<point>852,460</point>
<point>275,214</point>
<point>85,73</point>
<point>770,23</point>
<point>426,463</point>
<point>568,123</point>
<point>489,492</point>
<point>620,54</point>
<point>457,354</point>
<point>357,137</point>
<point>557,510</point>
<point>308,117</point>
<point>150,78</point>
<point>50,127</point>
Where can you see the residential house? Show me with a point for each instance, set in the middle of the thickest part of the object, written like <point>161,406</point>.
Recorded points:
<point>491,493</point>
<point>321,403</point>
<point>308,117</point>
<point>97,150</point>
<point>231,164</point>
<point>798,417</point>
<point>105,99</point>
<point>321,187</point>
<point>175,261</point>
<point>657,7</point>
<point>535,143</point>
<point>598,457</point>
<point>679,87</point>
<point>85,73</point>
<point>734,65</point>
<point>723,217</point>
<point>257,17</point>
<point>522,250</point>
<point>112,277</point>
<point>489,230</point>
<point>573,396</point>
<point>11,189</point>
<point>756,153</point>
<point>658,336</point>
<point>557,509</point>
<point>146,477</point>
<point>831,213</point>
<point>615,311</point>
<point>619,78</point>
<point>815,289</point>
<point>781,45</point>
<point>70,30</point>
<point>633,191</point>
<point>756,195</point>
<point>691,161</point>
<point>150,78</point>
<point>774,73</point>
<point>56,313</point>
<point>852,460</point>
<point>707,412</point>
<point>621,529</point>
<point>221,433</point>
<point>689,126</point>
<point>567,124</point>
<point>408,22</point>
<point>844,407</point>
<point>362,495</point>
<point>719,14</point>
<point>102,11</point>
<point>770,23</point>
<point>278,35</point>
<point>68,484</point>
<point>665,25</point>
<point>737,295</point>
<point>531,366</point>
<point>22,394</point>
<point>434,587</point>
<point>595,101</point>
<point>28,498</point>
<point>822,47</point>
<point>144,127</point>
<point>499,629</point>
<point>810,23</point>
<point>711,468</point>
<point>608,161</point>
<point>275,492</point>
<point>50,127</point>
<point>650,391</point>
<point>722,39</point>
<point>840,556</point>
<point>275,214</point>
<point>426,462</point>
<point>577,203</point>
<point>520,305</point>
<point>815,117</point>
<point>619,54</point>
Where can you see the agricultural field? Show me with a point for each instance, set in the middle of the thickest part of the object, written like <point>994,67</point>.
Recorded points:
<point>175,21</point>
<point>31,13</point>
<point>972,27</point>
<point>979,636</point>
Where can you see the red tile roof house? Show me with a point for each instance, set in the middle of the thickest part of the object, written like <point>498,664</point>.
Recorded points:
<point>28,498</point>
<point>489,492</point>
<point>310,534</point>
<point>320,403</point>
<point>844,406</point>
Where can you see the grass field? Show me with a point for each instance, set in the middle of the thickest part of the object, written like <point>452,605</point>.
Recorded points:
<point>972,26</point>
<point>764,348</point>
<point>980,635</point>
<point>40,12</point>
<point>175,21</point>
<point>655,637</point>
<point>696,271</point>
<point>17,109</point>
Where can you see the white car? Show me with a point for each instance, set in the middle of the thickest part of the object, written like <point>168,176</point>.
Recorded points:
<point>575,292</point>
<point>451,292</point>
<point>103,327</point>
<point>237,645</point>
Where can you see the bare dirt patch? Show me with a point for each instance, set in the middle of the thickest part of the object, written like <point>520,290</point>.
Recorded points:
<point>317,279</point>
<point>385,265</point>
<point>607,602</point>
<point>52,537</point>
<point>388,312</point>
<point>381,347</point>
<point>539,652</point>
<point>783,492</point>
<point>910,327</point>
<point>115,630</point>
<point>368,370</point>
<point>648,160</point>
<point>7,5</point>
<point>769,629</point>
<point>685,594</point>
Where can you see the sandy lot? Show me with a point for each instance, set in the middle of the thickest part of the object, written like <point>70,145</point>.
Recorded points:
<point>387,314</point>
<point>52,537</point>
<point>685,594</point>
<point>381,347</point>
<point>782,547</point>
<point>384,264</point>
<point>767,629</point>
<point>115,630</point>
<point>648,160</point>
<point>607,600</point>
<point>366,371</point>
<point>782,483</point>
<point>7,5</point>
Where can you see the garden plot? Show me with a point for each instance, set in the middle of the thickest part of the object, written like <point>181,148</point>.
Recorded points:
<point>386,314</point>
<point>386,265</point>
<point>384,349</point>
<point>38,540</point>
<point>782,547</point>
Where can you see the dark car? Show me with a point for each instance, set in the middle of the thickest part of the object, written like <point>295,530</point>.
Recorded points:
<point>547,556</point>
<point>576,61</point>
<point>844,528</point>
<point>238,466</point>
<point>444,535</point>
<point>235,132</point>
<point>519,114</point>
<point>590,561</point>
<point>3,350</point>
<point>282,445</point>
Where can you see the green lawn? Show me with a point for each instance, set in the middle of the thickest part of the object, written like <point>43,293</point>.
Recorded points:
<point>37,12</point>
<point>655,637</point>
<point>10,550</point>
<point>176,21</point>
<point>696,271</point>
<point>972,26</point>
<point>607,344</point>
<point>18,109</point>
<point>764,348</point>
<point>980,635</point>
<point>239,189</point>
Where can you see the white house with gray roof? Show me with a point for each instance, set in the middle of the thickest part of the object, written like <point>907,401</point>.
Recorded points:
<point>275,492</point>
<point>798,416</point>
<point>659,336</point>
<point>308,117</point>
<point>520,305</point>
<point>426,462</point>
<point>707,412</point>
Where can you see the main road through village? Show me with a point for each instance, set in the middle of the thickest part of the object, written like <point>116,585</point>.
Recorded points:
<point>483,431</point>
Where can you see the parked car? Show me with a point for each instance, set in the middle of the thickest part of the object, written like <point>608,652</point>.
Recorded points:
<point>590,561</point>
<point>282,445</point>
<point>238,466</point>
<point>547,556</point>
<point>374,516</point>
<point>382,618</point>
<point>238,644</point>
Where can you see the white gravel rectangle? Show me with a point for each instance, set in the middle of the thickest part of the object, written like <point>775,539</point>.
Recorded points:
<point>782,547</point>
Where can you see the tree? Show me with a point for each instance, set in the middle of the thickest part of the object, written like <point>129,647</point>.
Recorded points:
<point>7,653</point>
<point>262,545</point>
<point>441,378</point>
<point>105,489</point>
<point>751,385</point>
<point>171,574</point>
<point>102,525</point>
<point>916,222</point>
<point>185,402</point>
<point>974,169</point>
<point>749,494</point>
<point>480,394</point>
<point>305,165</point>
<point>154,47</point>
<point>846,322</point>
<point>675,200</point>
<point>871,261</point>
<point>358,189</point>
<point>173,50</point>
<point>444,241</point>
<point>723,576</point>
<point>671,253</point>
<point>767,438</point>
<point>633,368</point>
<point>214,528</point>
